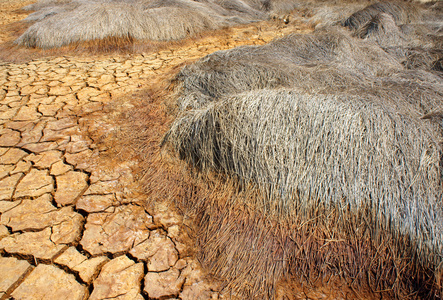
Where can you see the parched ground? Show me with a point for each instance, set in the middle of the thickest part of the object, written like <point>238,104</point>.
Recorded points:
<point>74,221</point>
<point>10,10</point>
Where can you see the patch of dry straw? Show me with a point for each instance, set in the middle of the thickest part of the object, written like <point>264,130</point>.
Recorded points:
<point>316,161</point>
<point>60,23</point>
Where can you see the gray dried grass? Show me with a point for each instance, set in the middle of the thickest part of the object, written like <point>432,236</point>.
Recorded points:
<point>328,61</point>
<point>63,22</point>
<point>93,21</point>
<point>415,42</point>
<point>317,160</point>
<point>400,12</point>
<point>332,157</point>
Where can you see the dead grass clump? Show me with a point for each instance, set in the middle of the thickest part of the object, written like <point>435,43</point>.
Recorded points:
<point>121,20</point>
<point>60,23</point>
<point>314,161</point>
<point>328,185</point>
<point>302,149</point>
<point>258,256</point>
<point>416,44</point>
<point>382,27</point>
<point>412,34</point>
<point>400,12</point>
<point>328,61</point>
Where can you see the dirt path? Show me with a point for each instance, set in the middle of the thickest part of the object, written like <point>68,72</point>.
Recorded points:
<point>72,225</point>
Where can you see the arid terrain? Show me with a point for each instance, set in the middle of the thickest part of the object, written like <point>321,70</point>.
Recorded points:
<point>75,223</point>
<point>302,163</point>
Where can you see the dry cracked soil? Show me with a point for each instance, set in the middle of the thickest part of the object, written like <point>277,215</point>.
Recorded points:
<point>73,220</point>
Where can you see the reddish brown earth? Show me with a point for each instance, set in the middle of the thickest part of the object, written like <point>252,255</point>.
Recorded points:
<point>74,220</point>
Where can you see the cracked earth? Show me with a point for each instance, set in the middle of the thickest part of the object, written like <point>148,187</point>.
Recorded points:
<point>72,225</point>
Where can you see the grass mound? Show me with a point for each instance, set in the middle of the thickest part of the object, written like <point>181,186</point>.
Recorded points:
<point>338,158</point>
<point>63,22</point>
<point>401,14</point>
<point>417,44</point>
<point>322,156</point>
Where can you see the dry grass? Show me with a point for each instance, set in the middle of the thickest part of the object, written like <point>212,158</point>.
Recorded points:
<point>312,159</point>
<point>329,61</point>
<point>400,12</point>
<point>416,42</point>
<point>11,52</point>
<point>104,20</point>
<point>316,162</point>
<point>61,23</point>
